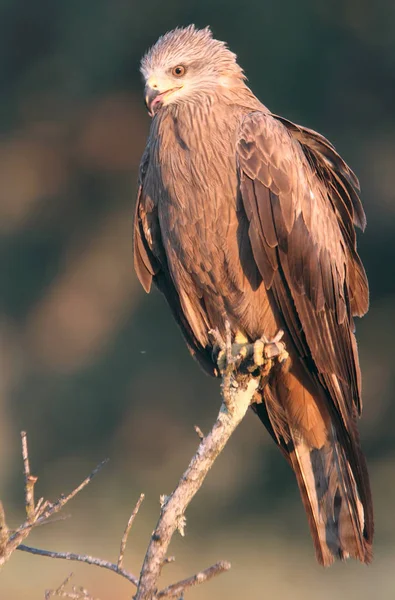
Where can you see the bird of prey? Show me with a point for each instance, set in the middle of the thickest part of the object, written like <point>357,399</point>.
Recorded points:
<point>245,218</point>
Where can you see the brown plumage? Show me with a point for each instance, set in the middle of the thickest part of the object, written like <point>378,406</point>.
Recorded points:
<point>244,216</point>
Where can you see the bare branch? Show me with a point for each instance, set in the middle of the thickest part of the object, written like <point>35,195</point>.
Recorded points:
<point>4,534</point>
<point>41,514</point>
<point>178,589</point>
<point>35,514</point>
<point>127,530</point>
<point>85,558</point>
<point>30,480</point>
<point>237,392</point>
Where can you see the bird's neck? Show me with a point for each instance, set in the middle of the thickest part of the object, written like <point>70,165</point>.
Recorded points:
<point>205,114</point>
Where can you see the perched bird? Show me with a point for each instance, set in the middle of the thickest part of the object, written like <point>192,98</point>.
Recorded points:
<point>246,218</point>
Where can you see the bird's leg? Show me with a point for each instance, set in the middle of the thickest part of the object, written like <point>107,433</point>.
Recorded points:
<point>245,356</point>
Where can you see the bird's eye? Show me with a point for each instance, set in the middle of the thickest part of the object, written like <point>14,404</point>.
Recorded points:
<point>178,71</point>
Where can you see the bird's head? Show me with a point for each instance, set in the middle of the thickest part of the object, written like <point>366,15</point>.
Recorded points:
<point>184,63</point>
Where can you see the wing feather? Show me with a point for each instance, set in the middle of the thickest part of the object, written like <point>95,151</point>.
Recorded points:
<point>301,202</point>
<point>151,265</point>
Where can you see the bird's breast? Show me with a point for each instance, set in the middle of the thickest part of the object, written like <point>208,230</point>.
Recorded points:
<point>203,229</point>
<point>196,166</point>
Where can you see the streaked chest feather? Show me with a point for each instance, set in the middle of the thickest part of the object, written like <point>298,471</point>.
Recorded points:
<point>193,156</point>
<point>194,184</point>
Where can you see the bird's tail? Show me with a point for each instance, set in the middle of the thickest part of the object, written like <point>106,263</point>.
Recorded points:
<point>330,468</point>
<point>334,486</point>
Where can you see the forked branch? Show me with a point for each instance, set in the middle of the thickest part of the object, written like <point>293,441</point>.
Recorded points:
<point>238,389</point>
<point>38,513</point>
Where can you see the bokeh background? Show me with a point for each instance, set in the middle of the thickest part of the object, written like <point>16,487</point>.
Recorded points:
<point>91,367</point>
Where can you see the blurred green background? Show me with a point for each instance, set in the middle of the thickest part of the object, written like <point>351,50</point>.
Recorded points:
<point>92,367</point>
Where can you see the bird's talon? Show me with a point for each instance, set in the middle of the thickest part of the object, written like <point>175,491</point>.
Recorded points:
<point>256,356</point>
<point>259,353</point>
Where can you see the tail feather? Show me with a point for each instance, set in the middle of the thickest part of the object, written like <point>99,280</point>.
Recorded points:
<point>331,499</point>
<point>329,466</point>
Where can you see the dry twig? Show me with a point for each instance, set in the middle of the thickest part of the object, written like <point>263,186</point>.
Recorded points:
<point>199,432</point>
<point>41,513</point>
<point>85,558</point>
<point>127,530</point>
<point>36,514</point>
<point>237,393</point>
<point>76,593</point>
<point>91,560</point>
<point>178,589</point>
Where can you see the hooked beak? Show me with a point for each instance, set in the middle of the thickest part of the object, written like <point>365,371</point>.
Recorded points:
<point>154,98</point>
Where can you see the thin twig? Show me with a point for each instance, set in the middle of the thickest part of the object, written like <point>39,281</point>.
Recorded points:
<point>3,530</point>
<point>79,593</point>
<point>85,558</point>
<point>199,432</point>
<point>168,560</point>
<point>59,590</point>
<point>30,480</point>
<point>38,523</point>
<point>127,530</point>
<point>35,515</point>
<point>178,589</point>
<point>25,454</point>
<point>49,508</point>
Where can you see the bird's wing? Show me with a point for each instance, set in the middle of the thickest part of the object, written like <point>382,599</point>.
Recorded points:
<point>145,263</point>
<point>343,195</point>
<point>301,202</point>
<point>151,265</point>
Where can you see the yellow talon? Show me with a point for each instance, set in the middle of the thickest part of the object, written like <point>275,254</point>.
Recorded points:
<point>259,349</point>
